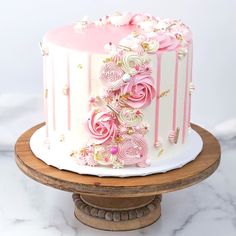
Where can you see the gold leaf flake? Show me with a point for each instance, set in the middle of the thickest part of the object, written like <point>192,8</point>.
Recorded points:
<point>164,93</point>
<point>62,138</point>
<point>65,90</point>
<point>80,66</point>
<point>46,93</point>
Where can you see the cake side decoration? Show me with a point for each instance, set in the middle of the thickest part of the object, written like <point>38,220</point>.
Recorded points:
<point>116,122</point>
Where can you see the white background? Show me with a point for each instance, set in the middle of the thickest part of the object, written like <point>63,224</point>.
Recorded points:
<point>24,22</point>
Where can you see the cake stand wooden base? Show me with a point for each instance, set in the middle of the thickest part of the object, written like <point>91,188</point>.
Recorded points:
<point>119,204</point>
<point>117,213</point>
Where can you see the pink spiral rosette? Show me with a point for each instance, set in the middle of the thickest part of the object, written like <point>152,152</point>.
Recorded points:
<point>133,150</point>
<point>111,76</point>
<point>167,41</point>
<point>101,126</point>
<point>141,90</point>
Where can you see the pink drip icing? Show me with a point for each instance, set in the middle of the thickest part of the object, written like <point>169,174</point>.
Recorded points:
<point>157,96</point>
<point>45,97</point>
<point>68,98</point>
<point>53,97</point>
<point>175,91</point>
<point>185,101</point>
<point>191,79</point>
<point>89,79</point>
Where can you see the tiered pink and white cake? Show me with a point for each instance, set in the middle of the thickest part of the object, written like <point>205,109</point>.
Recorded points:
<point>118,92</point>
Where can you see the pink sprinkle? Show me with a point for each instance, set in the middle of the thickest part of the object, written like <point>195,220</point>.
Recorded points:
<point>92,99</point>
<point>106,159</point>
<point>138,112</point>
<point>136,68</point>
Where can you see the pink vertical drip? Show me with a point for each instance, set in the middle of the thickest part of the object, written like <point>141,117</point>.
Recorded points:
<point>45,96</point>
<point>191,79</point>
<point>158,80</point>
<point>185,99</point>
<point>53,97</point>
<point>68,97</point>
<point>175,91</point>
<point>89,78</point>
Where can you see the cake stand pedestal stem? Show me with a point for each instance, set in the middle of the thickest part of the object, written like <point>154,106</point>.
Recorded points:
<point>114,213</point>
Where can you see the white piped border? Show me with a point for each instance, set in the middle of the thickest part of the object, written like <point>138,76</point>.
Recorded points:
<point>186,154</point>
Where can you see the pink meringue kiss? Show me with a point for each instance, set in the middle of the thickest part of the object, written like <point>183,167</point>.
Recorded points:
<point>101,126</point>
<point>137,18</point>
<point>133,150</point>
<point>173,136</point>
<point>111,76</point>
<point>141,90</point>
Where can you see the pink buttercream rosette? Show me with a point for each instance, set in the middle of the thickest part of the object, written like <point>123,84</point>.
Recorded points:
<point>133,150</point>
<point>141,90</point>
<point>102,127</point>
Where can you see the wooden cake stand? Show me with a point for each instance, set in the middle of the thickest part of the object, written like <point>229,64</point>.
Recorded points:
<point>111,203</point>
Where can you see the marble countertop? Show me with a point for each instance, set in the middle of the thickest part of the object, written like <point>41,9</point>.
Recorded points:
<point>30,208</point>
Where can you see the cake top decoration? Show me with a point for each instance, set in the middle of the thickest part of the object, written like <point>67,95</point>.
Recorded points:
<point>155,33</point>
<point>131,31</point>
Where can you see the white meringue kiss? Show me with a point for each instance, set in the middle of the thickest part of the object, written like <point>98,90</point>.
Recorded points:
<point>119,19</point>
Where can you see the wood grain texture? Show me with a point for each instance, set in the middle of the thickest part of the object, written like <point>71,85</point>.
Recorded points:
<point>199,169</point>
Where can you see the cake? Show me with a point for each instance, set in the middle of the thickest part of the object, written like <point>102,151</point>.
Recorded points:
<point>117,90</point>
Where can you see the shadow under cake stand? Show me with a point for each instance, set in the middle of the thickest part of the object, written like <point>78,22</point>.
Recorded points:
<point>112,203</point>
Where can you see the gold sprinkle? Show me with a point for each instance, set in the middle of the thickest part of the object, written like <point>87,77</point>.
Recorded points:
<point>113,109</point>
<point>119,63</point>
<point>135,34</point>
<point>124,47</point>
<point>65,90</point>
<point>62,138</point>
<point>119,139</point>
<point>145,46</point>
<point>80,66</point>
<point>160,152</point>
<point>74,154</point>
<point>130,131</point>
<point>177,135</point>
<point>108,59</point>
<point>164,93</point>
<point>125,96</point>
<point>46,93</point>
<point>169,26</point>
<point>179,37</point>
<point>97,110</point>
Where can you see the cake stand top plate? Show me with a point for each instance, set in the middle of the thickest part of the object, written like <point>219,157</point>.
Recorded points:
<point>199,169</point>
